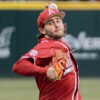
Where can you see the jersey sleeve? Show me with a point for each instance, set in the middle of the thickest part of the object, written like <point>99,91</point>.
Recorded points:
<point>36,61</point>
<point>29,64</point>
<point>26,68</point>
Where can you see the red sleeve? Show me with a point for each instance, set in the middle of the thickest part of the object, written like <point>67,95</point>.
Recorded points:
<point>26,68</point>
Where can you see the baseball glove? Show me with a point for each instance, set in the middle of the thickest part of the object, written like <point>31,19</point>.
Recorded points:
<point>57,65</point>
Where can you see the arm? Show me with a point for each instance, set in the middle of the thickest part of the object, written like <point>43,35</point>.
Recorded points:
<point>27,68</point>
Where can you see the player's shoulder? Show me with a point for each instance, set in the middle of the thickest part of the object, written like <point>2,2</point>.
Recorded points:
<point>45,48</point>
<point>41,49</point>
<point>47,43</point>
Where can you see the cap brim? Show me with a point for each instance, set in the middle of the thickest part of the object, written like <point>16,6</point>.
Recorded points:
<point>61,14</point>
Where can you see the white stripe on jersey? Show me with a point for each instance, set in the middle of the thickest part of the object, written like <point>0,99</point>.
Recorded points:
<point>62,45</point>
<point>75,87</point>
<point>29,57</point>
<point>68,70</point>
<point>25,57</point>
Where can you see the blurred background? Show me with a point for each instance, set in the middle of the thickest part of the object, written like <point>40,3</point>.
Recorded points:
<point>18,34</point>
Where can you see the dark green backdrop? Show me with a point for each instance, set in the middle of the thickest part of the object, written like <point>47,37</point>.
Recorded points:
<point>18,30</point>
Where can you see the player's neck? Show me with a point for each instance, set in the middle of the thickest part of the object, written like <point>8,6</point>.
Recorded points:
<point>52,38</point>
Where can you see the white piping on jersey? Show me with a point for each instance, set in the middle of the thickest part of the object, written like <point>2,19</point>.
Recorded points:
<point>44,41</point>
<point>63,45</point>
<point>68,70</point>
<point>78,88</point>
<point>34,60</point>
<point>52,51</point>
<point>25,57</point>
<point>28,57</point>
<point>74,87</point>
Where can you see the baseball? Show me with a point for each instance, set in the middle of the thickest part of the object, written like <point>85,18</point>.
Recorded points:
<point>52,6</point>
<point>51,73</point>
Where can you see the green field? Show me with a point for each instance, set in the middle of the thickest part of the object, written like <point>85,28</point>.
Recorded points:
<point>25,89</point>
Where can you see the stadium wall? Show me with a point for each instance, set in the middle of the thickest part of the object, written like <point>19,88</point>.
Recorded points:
<point>18,31</point>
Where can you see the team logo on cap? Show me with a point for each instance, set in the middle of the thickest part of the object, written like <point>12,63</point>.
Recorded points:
<point>51,11</point>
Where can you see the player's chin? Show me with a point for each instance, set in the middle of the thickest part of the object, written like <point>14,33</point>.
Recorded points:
<point>59,34</point>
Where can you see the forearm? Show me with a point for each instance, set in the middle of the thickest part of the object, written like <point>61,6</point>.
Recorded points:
<point>26,68</point>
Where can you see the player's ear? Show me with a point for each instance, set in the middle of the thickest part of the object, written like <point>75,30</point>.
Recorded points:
<point>42,30</point>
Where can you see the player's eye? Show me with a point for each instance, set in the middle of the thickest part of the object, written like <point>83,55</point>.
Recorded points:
<point>50,23</point>
<point>58,20</point>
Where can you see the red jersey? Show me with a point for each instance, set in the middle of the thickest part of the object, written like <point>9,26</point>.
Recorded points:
<point>35,63</point>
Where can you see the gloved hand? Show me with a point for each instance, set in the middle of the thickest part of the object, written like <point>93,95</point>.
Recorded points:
<point>57,65</point>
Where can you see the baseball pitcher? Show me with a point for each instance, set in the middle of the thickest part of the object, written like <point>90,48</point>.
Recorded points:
<point>51,61</point>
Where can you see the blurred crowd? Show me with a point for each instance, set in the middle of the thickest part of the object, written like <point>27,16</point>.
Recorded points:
<point>49,0</point>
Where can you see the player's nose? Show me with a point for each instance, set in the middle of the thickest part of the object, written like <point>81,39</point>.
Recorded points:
<point>56,24</point>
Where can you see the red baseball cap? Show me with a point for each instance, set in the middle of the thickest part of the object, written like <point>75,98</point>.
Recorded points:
<point>47,14</point>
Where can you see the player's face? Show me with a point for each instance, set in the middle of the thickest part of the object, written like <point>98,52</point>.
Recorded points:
<point>54,28</point>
